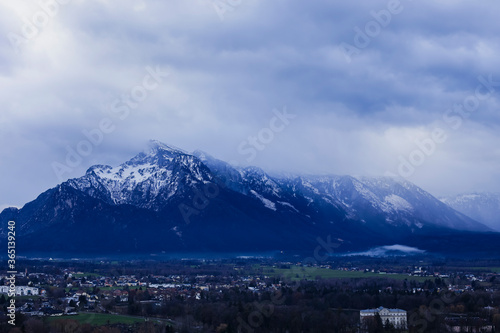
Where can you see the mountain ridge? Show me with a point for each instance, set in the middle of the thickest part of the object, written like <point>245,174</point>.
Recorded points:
<point>168,200</point>
<point>480,206</point>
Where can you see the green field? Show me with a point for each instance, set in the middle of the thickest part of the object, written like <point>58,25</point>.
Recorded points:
<point>25,298</point>
<point>311,273</point>
<point>99,319</point>
<point>121,288</point>
<point>482,269</point>
<point>105,288</point>
<point>474,269</point>
<point>85,275</point>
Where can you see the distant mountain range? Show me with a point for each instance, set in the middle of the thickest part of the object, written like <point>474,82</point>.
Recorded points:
<point>482,207</point>
<point>165,200</point>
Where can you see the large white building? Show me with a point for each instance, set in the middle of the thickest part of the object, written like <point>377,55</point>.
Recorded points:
<point>20,290</point>
<point>396,317</point>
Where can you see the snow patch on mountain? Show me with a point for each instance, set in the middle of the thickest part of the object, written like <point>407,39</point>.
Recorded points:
<point>288,205</point>
<point>134,174</point>
<point>267,203</point>
<point>309,186</point>
<point>397,203</point>
<point>148,180</point>
<point>177,232</point>
<point>365,193</point>
<point>483,207</point>
<point>163,173</point>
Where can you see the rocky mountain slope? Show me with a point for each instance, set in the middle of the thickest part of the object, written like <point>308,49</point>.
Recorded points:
<point>168,200</point>
<point>482,207</point>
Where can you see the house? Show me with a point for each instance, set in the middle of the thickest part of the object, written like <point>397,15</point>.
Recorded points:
<point>21,290</point>
<point>468,324</point>
<point>396,317</point>
<point>121,295</point>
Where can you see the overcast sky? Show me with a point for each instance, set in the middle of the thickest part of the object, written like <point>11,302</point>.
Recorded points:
<point>356,85</point>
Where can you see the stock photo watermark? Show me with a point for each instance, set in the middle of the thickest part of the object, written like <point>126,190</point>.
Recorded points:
<point>32,27</point>
<point>201,199</point>
<point>453,118</point>
<point>258,142</point>
<point>372,29</point>
<point>421,319</point>
<point>120,107</point>
<point>266,309</point>
<point>249,148</point>
<point>222,7</point>
<point>11,273</point>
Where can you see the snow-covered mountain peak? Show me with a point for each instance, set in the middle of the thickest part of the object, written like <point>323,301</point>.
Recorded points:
<point>483,207</point>
<point>147,180</point>
<point>158,154</point>
<point>203,156</point>
<point>158,193</point>
<point>126,172</point>
<point>397,203</point>
<point>253,171</point>
<point>386,182</point>
<point>163,173</point>
<point>156,146</point>
<point>98,168</point>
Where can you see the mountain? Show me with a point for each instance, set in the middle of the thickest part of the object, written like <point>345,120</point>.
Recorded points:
<point>165,200</point>
<point>482,207</point>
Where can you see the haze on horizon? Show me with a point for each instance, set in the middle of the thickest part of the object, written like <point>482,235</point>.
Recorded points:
<point>322,87</point>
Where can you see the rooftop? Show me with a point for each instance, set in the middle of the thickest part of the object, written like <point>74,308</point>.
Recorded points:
<point>382,308</point>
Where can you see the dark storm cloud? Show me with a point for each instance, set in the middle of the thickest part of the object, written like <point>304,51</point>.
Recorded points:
<point>227,75</point>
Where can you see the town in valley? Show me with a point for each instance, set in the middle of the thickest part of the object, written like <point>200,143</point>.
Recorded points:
<point>344,294</point>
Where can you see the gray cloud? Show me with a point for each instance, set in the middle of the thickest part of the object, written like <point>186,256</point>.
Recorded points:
<point>226,77</point>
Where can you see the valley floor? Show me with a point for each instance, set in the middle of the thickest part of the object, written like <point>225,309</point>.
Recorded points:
<point>253,295</point>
